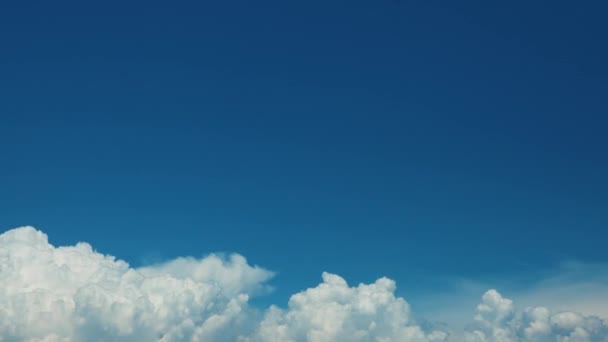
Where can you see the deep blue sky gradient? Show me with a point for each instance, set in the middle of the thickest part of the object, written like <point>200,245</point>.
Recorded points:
<point>419,140</point>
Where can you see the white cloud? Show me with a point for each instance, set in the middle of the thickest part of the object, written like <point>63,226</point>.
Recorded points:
<point>333,311</point>
<point>73,293</point>
<point>496,320</point>
<point>570,286</point>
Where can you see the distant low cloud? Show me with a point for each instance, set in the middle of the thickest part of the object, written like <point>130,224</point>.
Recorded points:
<point>497,320</point>
<point>73,293</point>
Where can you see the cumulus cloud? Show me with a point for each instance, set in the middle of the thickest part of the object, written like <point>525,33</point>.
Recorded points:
<point>497,320</point>
<point>74,293</point>
<point>333,311</point>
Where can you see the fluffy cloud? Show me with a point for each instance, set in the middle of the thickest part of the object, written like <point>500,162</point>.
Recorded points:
<point>73,293</point>
<point>333,311</point>
<point>496,320</point>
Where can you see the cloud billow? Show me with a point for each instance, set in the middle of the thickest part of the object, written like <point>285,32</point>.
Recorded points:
<point>74,293</point>
<point>496,320</point>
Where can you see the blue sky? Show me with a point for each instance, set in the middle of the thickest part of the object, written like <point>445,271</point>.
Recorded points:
<point>423,141</point>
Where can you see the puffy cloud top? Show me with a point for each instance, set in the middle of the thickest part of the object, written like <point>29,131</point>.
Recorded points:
<point>333,311</point>
<point>74,293</point>
<point>497,321</point>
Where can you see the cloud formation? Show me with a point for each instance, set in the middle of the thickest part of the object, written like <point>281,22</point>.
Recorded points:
<point>496,320</point>
<point>74,293</point>
<point>333,311</point>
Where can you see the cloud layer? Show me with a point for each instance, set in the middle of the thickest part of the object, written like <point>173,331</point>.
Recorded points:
<point>73,293</point>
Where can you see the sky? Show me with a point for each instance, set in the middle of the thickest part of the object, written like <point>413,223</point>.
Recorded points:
<point>452,147</point>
